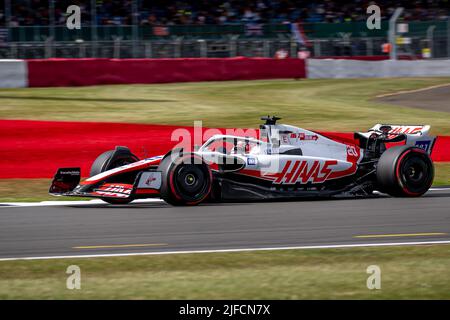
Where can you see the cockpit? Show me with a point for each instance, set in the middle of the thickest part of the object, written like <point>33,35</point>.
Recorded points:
<point>233,145</point>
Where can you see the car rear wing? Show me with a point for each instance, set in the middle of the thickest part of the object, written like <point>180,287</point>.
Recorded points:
<point>416,130</point>
<point>416,135</point>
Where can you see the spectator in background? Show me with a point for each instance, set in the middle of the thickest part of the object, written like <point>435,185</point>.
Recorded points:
<point>2,19</point>
<point>169,12</point>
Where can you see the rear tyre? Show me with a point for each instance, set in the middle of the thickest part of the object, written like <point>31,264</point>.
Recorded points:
<point>186,180</point>
<point>109,160</point>
<point>405,171</point>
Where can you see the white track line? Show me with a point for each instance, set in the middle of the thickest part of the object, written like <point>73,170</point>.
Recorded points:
<point>98,201</point>
<point>412,91</point>
<point>67,203</point>
<point>334,246</point>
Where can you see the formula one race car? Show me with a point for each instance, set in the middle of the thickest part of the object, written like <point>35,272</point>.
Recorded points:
<point>285,162</point>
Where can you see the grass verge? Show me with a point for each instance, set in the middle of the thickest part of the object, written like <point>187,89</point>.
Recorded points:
<point>413,272</point>
<point>442,174</point>
<point>29,190</point>
<point>342,104</point>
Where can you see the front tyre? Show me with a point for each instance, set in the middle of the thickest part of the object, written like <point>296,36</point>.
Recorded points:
<point>186,180</point>
<point>405,171</point>
<point>112,159</point>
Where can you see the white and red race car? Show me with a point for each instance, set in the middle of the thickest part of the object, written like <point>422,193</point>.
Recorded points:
<point>286,162</point>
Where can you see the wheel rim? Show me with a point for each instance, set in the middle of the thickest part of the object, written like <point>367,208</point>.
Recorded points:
<point>416,174</point>
<point>191,181</point>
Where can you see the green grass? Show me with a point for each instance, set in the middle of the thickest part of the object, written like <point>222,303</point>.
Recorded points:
<point>28,190</point>
<point>25,190</point>
<point>415,272</point>
<point>442,174</point>
<point>344,105</point>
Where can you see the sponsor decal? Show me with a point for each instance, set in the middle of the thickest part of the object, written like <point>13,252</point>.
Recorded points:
<point>404,129</point>
<point>351,151</point>
<point>305,137</point>
<point>425,145</point>
<point>73,173</point>
<point>111,194</point>
<point>251,161</point>
<point>304,171</point>
<point>150,180</point>
<point>115,189</point>
<point>112,190</point>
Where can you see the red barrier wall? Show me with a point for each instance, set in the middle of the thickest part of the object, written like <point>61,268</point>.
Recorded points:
<point>35,149</point>
<point>441,149</point>
<point>85,72</point>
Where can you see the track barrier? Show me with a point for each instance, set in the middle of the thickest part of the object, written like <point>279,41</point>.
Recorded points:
<point>85,72</point>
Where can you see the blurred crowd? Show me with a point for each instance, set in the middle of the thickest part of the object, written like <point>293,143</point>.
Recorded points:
<point>172,12</point>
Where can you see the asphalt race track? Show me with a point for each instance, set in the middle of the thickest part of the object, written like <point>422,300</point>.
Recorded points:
<point>41,231</point>
<point>435,98</point>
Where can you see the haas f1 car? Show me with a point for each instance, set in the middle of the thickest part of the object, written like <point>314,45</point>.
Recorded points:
<point>286,162</point>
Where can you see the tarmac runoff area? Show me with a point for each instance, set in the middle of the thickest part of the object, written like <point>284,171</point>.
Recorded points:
<point>436,98</point>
